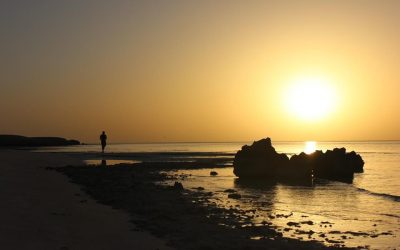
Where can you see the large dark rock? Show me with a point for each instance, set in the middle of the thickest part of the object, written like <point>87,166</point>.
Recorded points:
<point>337,164</point>
<point>260,160</point>
<point>22,141</point>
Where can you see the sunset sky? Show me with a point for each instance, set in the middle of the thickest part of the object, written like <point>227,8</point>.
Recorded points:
<point>158,71</point>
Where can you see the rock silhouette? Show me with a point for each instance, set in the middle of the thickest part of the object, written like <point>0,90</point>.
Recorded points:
<point>260,160</point>
<point>213,173</point>
<point>22,141</point>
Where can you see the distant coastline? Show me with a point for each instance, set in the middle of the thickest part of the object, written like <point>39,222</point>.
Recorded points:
<point>23,141</point>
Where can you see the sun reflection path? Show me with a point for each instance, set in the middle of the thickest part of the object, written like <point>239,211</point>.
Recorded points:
<point>310,147</point>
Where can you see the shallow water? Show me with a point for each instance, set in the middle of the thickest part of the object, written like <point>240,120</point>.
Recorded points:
<point>382,159</point>
<point>334,211</point>
<point>366,212</point>
<point>103,162</point>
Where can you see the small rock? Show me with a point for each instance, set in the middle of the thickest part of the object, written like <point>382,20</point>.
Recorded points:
<point>307,222</point>
<point>230,191</point>
<point>291,223</point>
<point>234,196</point>
<point>213,173</point>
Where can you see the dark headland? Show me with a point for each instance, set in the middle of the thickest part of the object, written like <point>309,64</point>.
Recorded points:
<point>23,141</point>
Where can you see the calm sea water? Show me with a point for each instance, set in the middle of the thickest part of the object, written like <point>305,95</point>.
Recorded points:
<point>365,213</point>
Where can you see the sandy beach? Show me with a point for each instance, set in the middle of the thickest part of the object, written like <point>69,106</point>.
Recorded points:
<point>41,209</point>
<point>153,200</point>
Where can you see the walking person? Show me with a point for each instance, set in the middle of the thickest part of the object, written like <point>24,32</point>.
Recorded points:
<point>103,139</point>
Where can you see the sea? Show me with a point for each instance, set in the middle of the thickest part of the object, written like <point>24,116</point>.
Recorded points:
<point>364,213</point>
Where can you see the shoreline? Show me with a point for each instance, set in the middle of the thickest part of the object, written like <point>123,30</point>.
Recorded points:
<point>41,209</point>
<point>182,217</point>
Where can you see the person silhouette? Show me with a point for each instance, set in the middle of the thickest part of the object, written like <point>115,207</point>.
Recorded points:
<point>103,139</point>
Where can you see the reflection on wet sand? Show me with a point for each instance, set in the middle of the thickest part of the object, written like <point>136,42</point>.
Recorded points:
<point>333,213</point>
<point>108,162</point>
<point>320,210</point>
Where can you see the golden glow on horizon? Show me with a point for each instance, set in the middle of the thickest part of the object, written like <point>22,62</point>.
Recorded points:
<point>310,98</point>
<point>191,71</point>
<point>310,147</point>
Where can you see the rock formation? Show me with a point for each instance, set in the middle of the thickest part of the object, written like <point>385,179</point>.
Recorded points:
<point>260,160</point>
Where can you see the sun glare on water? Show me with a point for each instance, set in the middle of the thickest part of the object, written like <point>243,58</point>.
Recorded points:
<point>310,147</point>
<point>310,98</point>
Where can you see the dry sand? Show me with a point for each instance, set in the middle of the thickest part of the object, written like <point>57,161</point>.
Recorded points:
<point>40,209</point>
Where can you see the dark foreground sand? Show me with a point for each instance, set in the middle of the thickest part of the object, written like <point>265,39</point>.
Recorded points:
<point>40,209</point>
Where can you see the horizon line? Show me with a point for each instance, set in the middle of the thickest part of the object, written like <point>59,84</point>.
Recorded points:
<point>172,142</point>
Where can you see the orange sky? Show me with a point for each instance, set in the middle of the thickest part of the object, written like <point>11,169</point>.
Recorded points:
<point>149,71</point>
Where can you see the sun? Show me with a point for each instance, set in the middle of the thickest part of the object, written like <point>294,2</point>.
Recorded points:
<point>310,98</point>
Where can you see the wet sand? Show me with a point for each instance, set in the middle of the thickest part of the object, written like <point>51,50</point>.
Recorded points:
<point>185,218</point>
<point>41,209</point>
